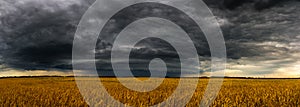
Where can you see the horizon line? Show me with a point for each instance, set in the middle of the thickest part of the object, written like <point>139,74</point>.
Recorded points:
<point>225,77</point>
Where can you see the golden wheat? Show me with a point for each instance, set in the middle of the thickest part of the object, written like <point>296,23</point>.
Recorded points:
<point>60,91</point>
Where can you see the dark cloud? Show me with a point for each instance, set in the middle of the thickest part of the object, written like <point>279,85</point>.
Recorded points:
<point>141,57</point>
<point>256,4</point>
<point>38,35</point>
<point>45,55</point>
<point>153,47</point>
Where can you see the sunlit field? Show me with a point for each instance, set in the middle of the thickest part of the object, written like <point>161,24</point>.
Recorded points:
<point>62,91</point>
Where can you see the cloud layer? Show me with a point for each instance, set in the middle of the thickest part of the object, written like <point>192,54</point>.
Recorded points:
<point>261,35</point>
<point>38,35</point>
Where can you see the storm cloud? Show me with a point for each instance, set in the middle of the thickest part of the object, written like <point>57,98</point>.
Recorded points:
<point>38,35</point>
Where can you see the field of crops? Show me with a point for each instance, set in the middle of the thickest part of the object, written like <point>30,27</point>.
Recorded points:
<point>62,91</point>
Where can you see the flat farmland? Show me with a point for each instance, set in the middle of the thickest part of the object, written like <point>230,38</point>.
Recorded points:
<point>62,91</point>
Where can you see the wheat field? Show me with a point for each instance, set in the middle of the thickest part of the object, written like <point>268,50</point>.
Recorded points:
<point>62,91</point>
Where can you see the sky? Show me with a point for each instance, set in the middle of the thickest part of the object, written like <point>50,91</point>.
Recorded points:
<point>261,37</point>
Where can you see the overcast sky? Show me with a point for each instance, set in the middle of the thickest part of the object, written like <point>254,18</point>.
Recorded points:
<point>262,37</point>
